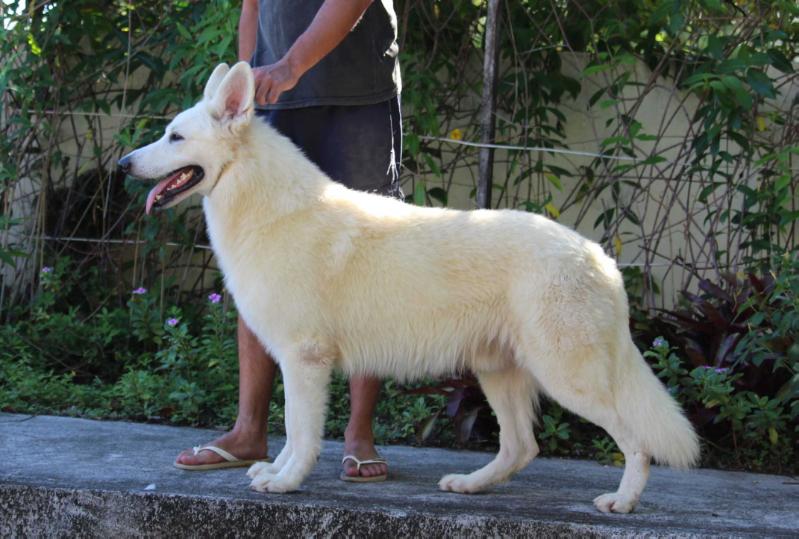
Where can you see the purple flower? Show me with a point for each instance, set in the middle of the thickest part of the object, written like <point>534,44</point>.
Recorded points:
<point>721,370</point>
<point>139,291</point>
<point>659,342</point>
<point>172,322</point>
<point>214,297</point>
<point>47,269</point>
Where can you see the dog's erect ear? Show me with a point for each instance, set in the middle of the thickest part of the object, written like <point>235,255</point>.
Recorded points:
<point>233,103</point>
<point>214,81</point>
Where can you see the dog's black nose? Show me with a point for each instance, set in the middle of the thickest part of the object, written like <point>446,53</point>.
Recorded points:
<point>124,164</point>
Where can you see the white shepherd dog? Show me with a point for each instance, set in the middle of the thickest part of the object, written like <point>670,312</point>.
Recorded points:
<point>328,277</point>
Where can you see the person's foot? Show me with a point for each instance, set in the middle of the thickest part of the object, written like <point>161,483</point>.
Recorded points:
<point>362,449</point>
<point>242,446</point>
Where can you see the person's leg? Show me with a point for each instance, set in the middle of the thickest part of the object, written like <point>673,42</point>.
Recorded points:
<point>368,161</point>
<point>247,440</point>
<point>359,439</point>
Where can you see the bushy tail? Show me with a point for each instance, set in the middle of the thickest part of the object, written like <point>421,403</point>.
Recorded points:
<point>654,418</point>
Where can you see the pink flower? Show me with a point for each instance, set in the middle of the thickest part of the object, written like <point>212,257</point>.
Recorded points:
<point>214,297</point>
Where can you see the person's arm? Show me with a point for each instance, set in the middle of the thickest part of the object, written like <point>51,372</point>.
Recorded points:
<point>334,20</point>
<point>248,28</point>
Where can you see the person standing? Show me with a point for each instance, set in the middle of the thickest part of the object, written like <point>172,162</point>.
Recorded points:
<point>327,77</point>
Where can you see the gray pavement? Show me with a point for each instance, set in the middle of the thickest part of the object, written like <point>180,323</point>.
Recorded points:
<point>66,477</point>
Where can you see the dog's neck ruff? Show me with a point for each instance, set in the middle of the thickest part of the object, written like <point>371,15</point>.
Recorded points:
<point>267,174</point>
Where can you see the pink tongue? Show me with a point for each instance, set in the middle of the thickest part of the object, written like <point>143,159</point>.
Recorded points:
<point>155,192</point>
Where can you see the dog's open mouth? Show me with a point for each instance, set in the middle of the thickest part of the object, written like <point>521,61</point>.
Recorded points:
<point>175,183</point>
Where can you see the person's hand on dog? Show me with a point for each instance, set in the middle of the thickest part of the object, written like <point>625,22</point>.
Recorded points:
<point>331,24</point>
<point>272,80</point>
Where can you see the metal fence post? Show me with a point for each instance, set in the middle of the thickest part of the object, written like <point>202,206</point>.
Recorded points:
<point>488,106</point>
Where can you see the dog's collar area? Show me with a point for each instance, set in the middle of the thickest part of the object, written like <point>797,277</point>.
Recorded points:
<point>222,171</point>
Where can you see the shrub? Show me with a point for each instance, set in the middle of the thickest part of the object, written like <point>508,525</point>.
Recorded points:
<point>733,362</point>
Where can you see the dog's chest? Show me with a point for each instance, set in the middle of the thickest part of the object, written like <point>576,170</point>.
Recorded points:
<point>269,275</point>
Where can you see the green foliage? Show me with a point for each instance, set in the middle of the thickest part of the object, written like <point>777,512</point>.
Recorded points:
<point>554,430</point>
<point>730,357</point>
<point>745,429</point>
<point>72,72</point>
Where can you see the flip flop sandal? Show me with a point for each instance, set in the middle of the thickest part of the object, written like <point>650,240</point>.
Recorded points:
<point>358,464</point>
<point>229,462</point>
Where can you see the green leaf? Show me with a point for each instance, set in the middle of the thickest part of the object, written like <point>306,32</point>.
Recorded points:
<point>698,79</point>
<point>676,23</point>
<point>555,181</point>
<point>6,257</point>
<point>713,5</point>
<point>742,97</point>
<point>760,83</point>
<point>594,69</point>
<point>708,190</point>
<point>612,141</point>
<point>653,160</point>
<point>715,47</point>
<point>595,97</point>
<point>439,194</point>
<point>183,32</point>
<point>779,61</point>
<point>419,193</point>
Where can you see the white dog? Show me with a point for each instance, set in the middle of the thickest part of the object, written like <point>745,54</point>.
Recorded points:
<point>328,277</point>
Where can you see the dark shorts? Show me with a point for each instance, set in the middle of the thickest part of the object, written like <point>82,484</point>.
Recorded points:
<point>357,145</point>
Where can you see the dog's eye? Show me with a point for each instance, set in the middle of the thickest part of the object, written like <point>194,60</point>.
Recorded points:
<point>174,137</point>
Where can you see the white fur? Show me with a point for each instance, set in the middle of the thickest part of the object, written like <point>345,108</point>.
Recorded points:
<point>331,278</point>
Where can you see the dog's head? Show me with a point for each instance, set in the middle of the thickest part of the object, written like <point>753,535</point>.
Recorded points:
<point>198,144</point>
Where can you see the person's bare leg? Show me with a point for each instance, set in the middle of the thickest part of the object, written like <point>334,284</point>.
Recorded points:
<point>359,438</point>
<point>247,439</point>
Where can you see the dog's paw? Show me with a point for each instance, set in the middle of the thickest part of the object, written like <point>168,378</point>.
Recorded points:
<point>260,482</point>
<point>268,482</point>
<point>262,467</point>
<point>613,502</point>
<point>280,485</point>
<point>458,483</point>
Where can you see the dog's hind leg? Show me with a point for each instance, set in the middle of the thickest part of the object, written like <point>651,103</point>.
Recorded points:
<point>585,382</point>
<point>306,387</point>
<point>511,393</point>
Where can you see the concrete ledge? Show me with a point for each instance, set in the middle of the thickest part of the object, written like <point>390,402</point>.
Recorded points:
<point>71,477</point>
<point>94,513</point>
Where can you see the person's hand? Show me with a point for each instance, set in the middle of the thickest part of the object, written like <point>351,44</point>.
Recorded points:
<point>272,80</point>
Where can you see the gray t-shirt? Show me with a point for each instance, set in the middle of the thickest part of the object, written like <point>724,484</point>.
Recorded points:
<point>362,70</point>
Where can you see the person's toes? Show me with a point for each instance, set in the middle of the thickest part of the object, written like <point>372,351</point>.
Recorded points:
<point>186,457</point>
<point>351,469</point>
<point>377,469</point>
<point>367,470</point>
<point>189,458</point>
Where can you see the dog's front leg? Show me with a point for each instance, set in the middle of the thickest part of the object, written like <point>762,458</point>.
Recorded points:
<point>282,458</point>
<point>306,387</point>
